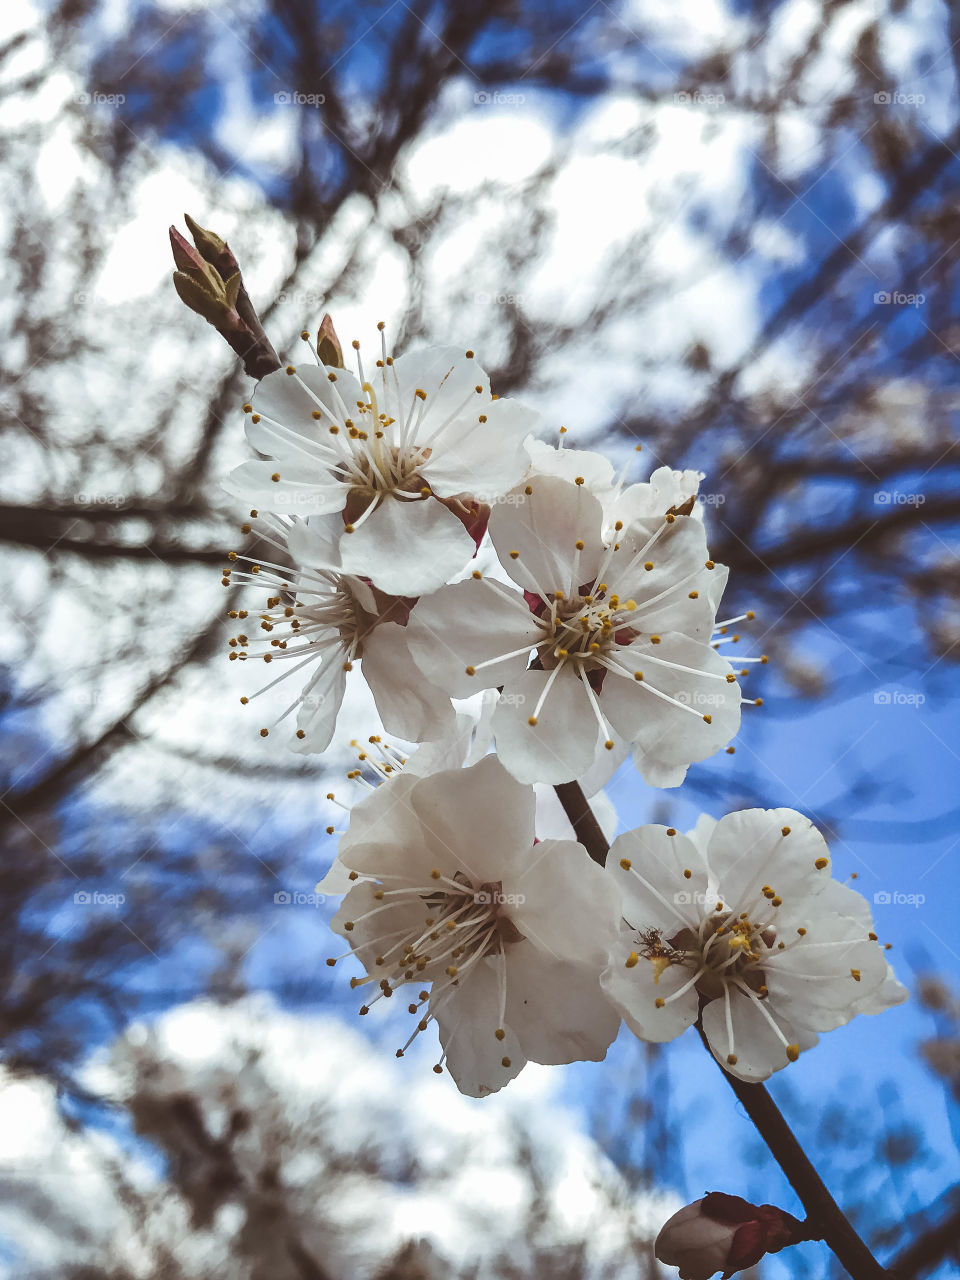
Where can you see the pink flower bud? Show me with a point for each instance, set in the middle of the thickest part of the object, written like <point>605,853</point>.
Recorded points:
<point>724,1233</point>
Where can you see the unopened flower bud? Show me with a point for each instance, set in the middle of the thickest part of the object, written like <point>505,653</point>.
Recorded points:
<point>212,248</point>
<point>724,1233</point>
<point>328,344</point>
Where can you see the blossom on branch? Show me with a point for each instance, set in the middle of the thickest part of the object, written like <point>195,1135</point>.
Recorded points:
<point>323,621</point>
<point>409,457</point>
<point>503,938</point>
<point>740,924</point>
<point>621,629</point>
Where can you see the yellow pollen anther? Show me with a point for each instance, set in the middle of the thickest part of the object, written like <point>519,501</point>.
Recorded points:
<point>802,931</point>
<point>504,1062</point>
<point>821,863</point>
<point>528,489</point>
<point>435,875</point>
<point>659,1002</point>
<point>500,1033</point>
<point>709,564</point>
<point>708,719</point>
<point>531,720</point>
<point>654,639</point>
<point>275,477</point>
<point>514,555</point>
<point>477,574</point>
<point>693,595</point>
<point>784,831</point>
<point>291,369</point>
<point>579,480</point>
<point>793,1052</point>
<point>579,544</point>
<point>470,671</point>
<point>632,960</point>
<point>855,974</point>
<point>626,864</point>
<point>609,744</point>
<point>687,873</point>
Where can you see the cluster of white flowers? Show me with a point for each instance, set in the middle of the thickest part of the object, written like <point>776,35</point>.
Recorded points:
<point>593,630</point>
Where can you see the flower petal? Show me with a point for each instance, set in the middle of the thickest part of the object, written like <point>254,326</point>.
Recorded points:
<point>656,890</point>
<point>481,817</point>
<point>567,905</point>
<point>566,738</point>
<point>481,459</point>
<point>301,489</point>
<point>557,1008</point>
<point>467,1018</point>
<point>748,850</point>
<point>407,548</point>
<point>635,992</point>
<point>409,705</point>
<point>759,1051</point>
<point>469,623</point>
<point>321,699</point>
<point>545,526</point>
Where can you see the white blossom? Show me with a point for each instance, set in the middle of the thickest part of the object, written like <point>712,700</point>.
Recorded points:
<point>409,456</point>
<point>452,893</point>
<point>741,925</point>
<point>323,621</point>
<point>622,629</point>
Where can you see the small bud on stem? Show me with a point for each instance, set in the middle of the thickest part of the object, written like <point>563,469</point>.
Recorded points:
<point>209,282</point>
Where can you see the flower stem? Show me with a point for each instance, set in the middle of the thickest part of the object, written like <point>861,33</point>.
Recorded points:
<point>583,820</point>
<point>825,1219</point>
